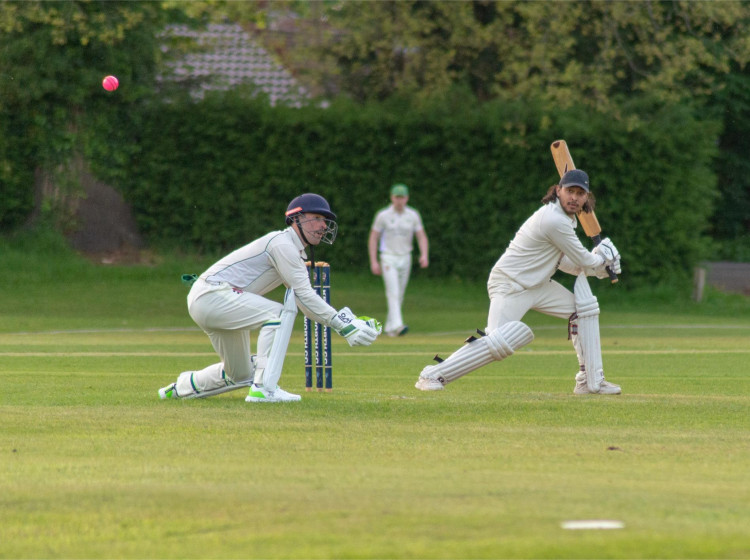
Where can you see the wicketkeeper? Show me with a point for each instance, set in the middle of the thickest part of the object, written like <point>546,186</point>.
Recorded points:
<point>522,280</point>
<point>227,302</point>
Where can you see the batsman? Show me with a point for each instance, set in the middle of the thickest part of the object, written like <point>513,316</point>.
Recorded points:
<point>522,280</point>
<point>227,301</point>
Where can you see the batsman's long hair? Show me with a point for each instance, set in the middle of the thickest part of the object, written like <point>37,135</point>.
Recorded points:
<point>551,196</point>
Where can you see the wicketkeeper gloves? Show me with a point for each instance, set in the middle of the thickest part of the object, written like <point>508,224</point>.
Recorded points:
<point>358,331</point>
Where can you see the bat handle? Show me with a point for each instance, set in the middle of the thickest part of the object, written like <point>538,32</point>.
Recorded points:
<point>612,275</point>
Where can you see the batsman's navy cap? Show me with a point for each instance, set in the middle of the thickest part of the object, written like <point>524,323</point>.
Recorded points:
<point>309,203</point>
<point>399,189</point>
<point>575,178</point>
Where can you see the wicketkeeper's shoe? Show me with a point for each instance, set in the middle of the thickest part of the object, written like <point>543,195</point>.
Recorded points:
<point>606,388</point>
<point>425,383</point>
<point>261,394</point>
<point>168,392</point>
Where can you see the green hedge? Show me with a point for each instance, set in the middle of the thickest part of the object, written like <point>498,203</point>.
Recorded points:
<point>213,175</point>
<point>16,175</point>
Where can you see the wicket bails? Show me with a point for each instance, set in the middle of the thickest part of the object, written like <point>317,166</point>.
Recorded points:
<point>318,337</point>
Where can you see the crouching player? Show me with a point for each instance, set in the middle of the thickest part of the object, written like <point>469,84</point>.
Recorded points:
<point>227,302</point>
<point>522,280</point>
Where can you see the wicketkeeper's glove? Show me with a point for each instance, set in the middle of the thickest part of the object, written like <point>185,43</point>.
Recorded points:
<point>358,331</point>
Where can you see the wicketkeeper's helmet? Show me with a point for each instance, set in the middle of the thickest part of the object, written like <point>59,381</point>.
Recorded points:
<point>308,203</point>
<point>311,203</point>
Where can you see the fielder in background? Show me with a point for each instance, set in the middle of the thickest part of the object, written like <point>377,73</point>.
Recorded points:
<point>522,280</point>
<point>227,302</point>
<point>392,235</point>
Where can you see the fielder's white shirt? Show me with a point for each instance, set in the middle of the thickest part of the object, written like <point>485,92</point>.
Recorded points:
<point>397,229</point>
<point>264,264</point>
<point>536,251</point>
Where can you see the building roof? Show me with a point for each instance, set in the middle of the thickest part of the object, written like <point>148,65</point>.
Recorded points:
<point>228,57</point>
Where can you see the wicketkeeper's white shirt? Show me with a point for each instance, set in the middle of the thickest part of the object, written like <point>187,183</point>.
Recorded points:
<point>535,252</point>
<point>264,264</point>
<point>397,229</point>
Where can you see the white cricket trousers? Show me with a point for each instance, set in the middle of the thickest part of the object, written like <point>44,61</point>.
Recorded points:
<point>510,301</point>
<point>227,315</point>
<point>396,270</point>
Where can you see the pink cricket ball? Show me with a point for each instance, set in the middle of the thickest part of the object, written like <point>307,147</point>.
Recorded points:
<point>110,83</point>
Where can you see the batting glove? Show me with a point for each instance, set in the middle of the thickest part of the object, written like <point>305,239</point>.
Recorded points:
<point>607,250</point>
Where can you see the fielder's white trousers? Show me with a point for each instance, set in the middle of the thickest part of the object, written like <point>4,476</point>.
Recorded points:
<point>227,315</point>
<point>396,270</point>
<point>510,301</point>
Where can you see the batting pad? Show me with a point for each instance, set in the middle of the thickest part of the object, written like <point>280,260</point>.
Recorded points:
<point>209,381</point>
<point>585,334</point>
<point>272,373</point>
<point>231,387</point>
<point>496,346</point>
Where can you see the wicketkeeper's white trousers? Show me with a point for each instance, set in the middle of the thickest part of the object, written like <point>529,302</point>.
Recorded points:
<point>396,270</point>
<point>510,301</point>
<point>227,315</point>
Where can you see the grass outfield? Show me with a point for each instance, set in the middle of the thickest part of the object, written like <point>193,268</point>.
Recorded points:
<point>93,465</point>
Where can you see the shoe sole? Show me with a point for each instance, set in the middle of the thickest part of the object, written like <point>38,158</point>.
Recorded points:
<point>418,386</point>
<point>590,393</point>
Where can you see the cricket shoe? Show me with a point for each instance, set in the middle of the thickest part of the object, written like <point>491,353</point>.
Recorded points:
<point>400,331</point>
<point>261,394</point>
<point>169,392</point>
<point>606,388</point>
<point>426,383</point>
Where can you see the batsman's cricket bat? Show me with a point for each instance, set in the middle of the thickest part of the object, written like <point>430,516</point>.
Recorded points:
<point>564,162</point>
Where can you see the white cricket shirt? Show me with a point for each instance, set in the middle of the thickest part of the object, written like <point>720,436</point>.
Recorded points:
<point>264,264</point>
<point>534,254</point>
<point>397,229</point>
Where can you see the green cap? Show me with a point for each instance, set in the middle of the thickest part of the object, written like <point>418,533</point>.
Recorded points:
<point>399,189</point>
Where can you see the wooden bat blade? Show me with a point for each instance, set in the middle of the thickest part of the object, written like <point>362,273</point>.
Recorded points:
<point>590,224</point>
<point>562,157</point>
<point>588,220</point>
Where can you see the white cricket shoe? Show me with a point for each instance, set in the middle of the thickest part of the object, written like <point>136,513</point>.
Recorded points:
<point>168,392</point>
<point>261,394</point>
<point>427,383</point>
<point>606,388</point>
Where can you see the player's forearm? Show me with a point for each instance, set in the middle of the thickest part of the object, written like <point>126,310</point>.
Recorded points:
<point>423,244</point>
<point>372,247</point>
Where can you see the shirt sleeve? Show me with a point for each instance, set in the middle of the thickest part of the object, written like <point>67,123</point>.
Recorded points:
<point>418,225</point>
<point>377,223</point>
<point>291,267</point>
<point>562,235</point>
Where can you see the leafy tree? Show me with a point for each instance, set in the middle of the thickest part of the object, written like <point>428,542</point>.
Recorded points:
<point>53,56</point>
<point>565,52</point>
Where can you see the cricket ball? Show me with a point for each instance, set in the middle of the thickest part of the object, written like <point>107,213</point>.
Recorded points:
<point>110,83</point>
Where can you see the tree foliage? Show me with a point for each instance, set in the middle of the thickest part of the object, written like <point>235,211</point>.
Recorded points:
<point>542,55</point>
<point>566,52</point>
<point>53,56</point>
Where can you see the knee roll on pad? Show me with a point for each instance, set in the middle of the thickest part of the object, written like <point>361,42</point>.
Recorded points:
<point>587,309</point>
